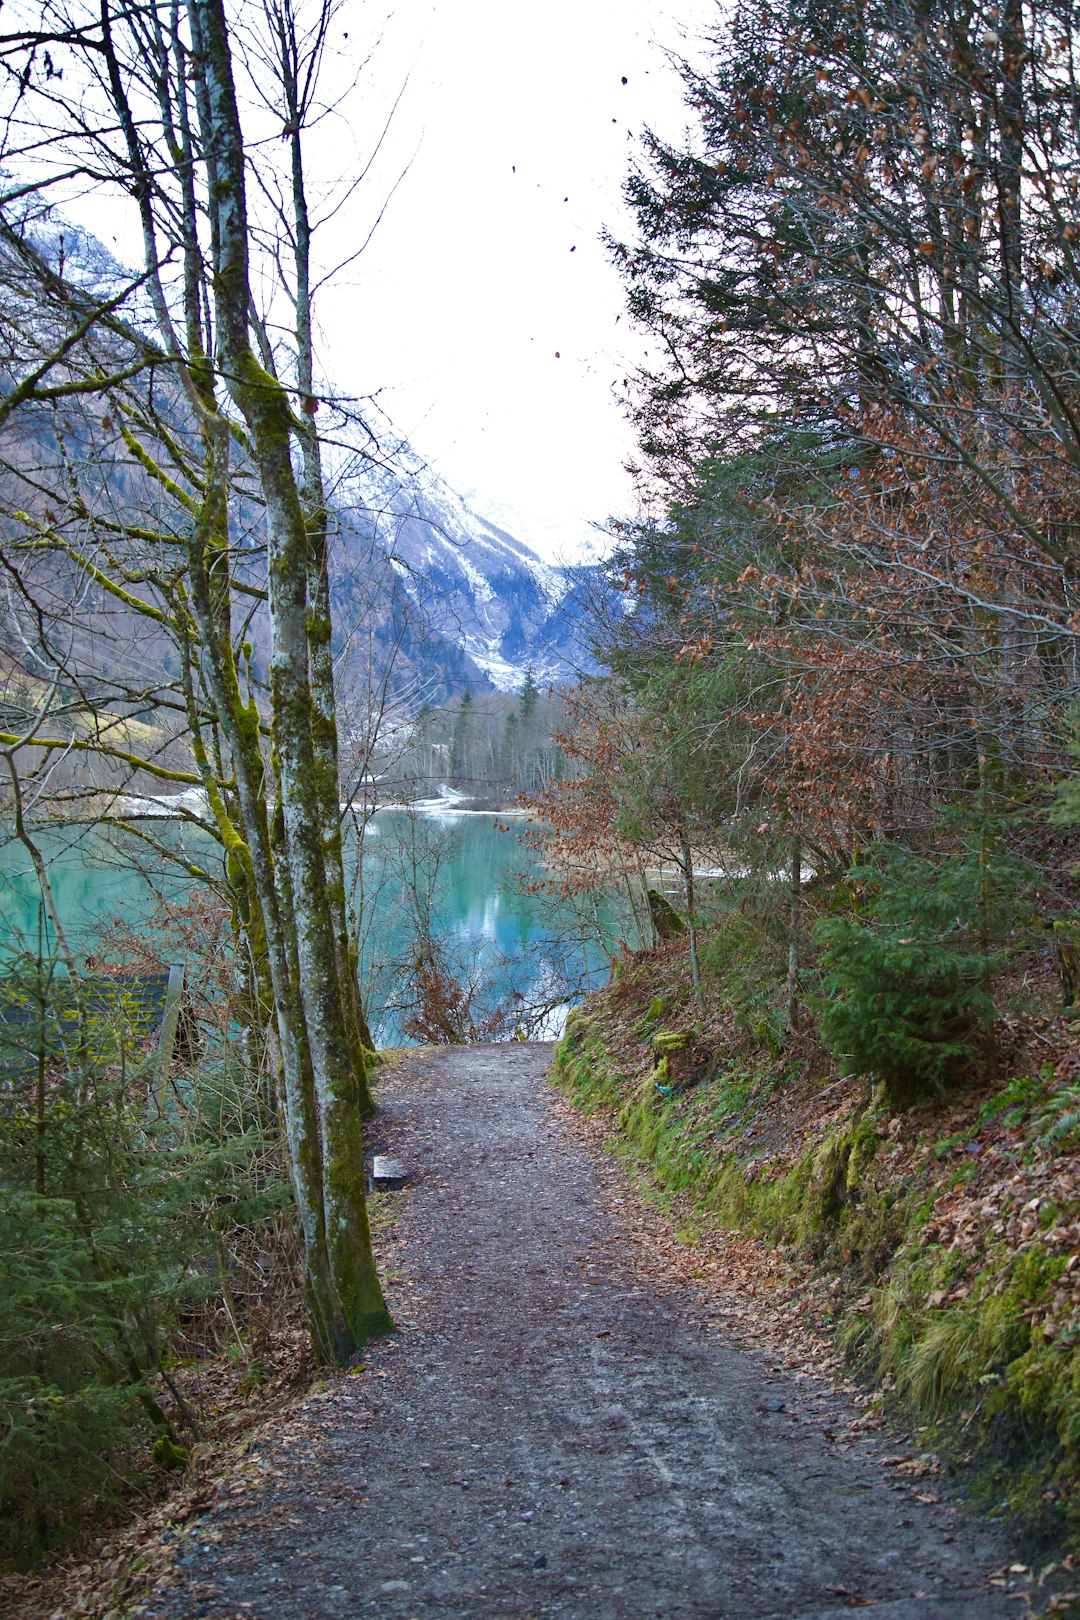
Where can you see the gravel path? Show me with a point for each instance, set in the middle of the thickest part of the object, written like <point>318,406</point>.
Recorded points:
<point>553,1433</point>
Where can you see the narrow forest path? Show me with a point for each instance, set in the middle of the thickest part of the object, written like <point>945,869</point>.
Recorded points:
<point>553,1433</point>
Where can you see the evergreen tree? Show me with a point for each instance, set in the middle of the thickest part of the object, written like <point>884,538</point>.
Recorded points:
<point>115,1217</point>
<point>529,738</point>
<point>908,973</point>
<point>530,697</point>
<point>461,748</point>
<point>511,748</point>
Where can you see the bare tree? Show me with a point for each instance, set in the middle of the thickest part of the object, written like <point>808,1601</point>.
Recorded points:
<point>149,104</point>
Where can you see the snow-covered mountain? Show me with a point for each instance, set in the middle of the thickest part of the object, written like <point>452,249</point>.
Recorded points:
<point>477,586</point>
<point>430,596</point>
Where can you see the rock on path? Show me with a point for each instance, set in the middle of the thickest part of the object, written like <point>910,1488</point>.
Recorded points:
<point>548,1435</point>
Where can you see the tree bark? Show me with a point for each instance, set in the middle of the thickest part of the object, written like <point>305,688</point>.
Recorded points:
<point>356,1307</point>
<point>794,933</point>
<point>691,912</point>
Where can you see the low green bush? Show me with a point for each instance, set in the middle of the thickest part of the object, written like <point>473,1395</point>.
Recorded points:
<point>118,1212</point>
<point>907,975</point>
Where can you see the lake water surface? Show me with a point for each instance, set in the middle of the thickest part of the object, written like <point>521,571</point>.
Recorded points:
<point>491,931</point>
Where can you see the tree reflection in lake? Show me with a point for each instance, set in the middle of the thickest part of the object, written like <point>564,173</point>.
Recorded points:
<point>452,947</point>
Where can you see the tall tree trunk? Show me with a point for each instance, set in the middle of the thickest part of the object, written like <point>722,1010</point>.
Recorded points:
<point>319,621</point>
<point>357,1305</point>
<point>1010,168</point>
<point>794,934</point>
<point>691,912</point>
<point>240,723</point>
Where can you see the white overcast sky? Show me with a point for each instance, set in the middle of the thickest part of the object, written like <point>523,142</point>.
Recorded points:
<point>484,310</point>
<point>484,314</point>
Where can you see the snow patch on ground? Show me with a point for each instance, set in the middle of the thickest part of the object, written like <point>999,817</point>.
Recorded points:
<point>175,806</point>
<point>448,805</point>
<point>503,675</point>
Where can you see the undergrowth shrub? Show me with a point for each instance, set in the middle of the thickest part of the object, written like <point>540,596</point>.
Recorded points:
<point>70,1415</point>
<point>908,972</point>
<point>122,1203</point>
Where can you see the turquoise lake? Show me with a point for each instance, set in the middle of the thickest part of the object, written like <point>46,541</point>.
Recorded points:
<point>461,872</point>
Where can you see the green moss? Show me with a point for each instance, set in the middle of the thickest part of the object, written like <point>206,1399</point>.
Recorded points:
<point>169,1453</point>
<point>581,1069</point>
<point>670,1041</point>
<point>318,629</point>
<point>864,1145</point>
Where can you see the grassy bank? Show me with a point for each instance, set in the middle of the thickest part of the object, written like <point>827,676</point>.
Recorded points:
<point>946,1237</point>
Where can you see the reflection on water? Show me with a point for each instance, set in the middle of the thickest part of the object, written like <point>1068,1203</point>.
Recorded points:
<point>91,880</point>
<point>526,951</point>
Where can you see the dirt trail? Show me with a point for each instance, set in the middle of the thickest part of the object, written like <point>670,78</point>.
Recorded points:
<point>553,1434</point>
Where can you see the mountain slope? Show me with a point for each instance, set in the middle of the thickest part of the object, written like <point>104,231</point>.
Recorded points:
<point>478,587</point>
<point>430,596</point>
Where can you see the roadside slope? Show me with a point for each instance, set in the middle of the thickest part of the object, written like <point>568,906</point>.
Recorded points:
<point>936,1249</point>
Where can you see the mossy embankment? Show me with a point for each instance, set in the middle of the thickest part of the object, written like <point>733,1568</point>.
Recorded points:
<point>946,1238</point>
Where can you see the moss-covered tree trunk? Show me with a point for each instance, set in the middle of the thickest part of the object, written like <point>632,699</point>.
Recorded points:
<point>354,1306</point>
<point>319,622</point>
<point>251,867</point>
